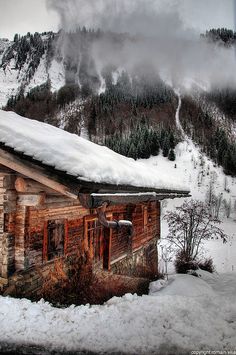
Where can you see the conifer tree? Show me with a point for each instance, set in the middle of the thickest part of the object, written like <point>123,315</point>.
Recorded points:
<point>171,155</point>
<point>166,147</point>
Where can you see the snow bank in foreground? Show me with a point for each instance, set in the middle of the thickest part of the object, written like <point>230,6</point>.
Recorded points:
<point>188,314</point>
<point>78,157</point>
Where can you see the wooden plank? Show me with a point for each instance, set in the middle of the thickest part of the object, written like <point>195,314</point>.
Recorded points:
<point>34,172</point>
<point>57,199</point>
<point>45,241</point>
<point>31,199</point>
<point>66,240</point>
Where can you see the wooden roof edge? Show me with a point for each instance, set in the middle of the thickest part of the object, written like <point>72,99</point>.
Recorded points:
<point>95,200</point>
<point>69,185</point>
<point>38,172</point>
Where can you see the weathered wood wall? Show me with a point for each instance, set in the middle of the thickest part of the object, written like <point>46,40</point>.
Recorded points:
<point>23,228</point>
<point>71,215</point>
<point>75,239</point>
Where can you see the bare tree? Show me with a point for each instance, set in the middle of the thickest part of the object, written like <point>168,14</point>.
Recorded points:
<point>216,205</point>
<point>227,206</point>
<point>190,225</point>
<point>167,255</point>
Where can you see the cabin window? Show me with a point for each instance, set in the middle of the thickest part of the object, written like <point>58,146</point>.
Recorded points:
<point>54,239</point>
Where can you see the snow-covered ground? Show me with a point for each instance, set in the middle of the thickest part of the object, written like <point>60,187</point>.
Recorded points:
<point>197,173</point>
<point>180,315</point>
<point>187,314</point>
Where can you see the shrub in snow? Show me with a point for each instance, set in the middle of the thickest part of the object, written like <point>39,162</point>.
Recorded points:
<point>189,226</point>
<point>71,282</point>
<point>207,265</point>
<point>183,263</point>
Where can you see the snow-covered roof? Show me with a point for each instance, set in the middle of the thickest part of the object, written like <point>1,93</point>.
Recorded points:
<point>78,157</point>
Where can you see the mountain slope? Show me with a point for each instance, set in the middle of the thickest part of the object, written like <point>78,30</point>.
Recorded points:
<point>28,62</point>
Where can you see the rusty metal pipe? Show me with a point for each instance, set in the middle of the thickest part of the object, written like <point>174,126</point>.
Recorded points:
<point>101,211</point>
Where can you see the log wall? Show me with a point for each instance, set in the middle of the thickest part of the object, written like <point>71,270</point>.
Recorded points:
<point>23,228</point>
<point>31,220</point>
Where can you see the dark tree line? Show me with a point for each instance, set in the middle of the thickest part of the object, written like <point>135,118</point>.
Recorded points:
<point>223,36</point>
<point>40,103</point>
<point>138,90</point>
<point>225,99</point>
<point>124,102</point>
<point>143,142</point>
<point>223,151</point>
<point>214,141</point>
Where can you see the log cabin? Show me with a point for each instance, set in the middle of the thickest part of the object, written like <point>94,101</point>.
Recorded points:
<point>61,196</point>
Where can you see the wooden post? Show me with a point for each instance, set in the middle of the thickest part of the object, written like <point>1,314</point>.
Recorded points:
<point>20,231</point>
<point>7,208</point>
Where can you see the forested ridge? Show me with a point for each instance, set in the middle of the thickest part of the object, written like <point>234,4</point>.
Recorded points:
<point>134,113</point>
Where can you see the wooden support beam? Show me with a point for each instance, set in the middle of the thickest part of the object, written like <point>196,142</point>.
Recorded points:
<point>5,170</point>
<point>30,186</point>
<point>31,199</point>
<point>34,172</point>
<point>97,200</point>
<point>56,199</point>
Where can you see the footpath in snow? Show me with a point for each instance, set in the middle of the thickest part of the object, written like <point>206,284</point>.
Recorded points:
<point>184,314</point>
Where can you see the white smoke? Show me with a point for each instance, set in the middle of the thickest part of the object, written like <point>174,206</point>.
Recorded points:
<point>163,41</point>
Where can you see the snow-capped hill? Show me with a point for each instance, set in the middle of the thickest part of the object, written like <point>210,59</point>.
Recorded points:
<point>4,43</point>
<point>28,62</point>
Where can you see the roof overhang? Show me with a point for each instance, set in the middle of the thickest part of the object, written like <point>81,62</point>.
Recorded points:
<point>96,200</point>
<point>90,193</point>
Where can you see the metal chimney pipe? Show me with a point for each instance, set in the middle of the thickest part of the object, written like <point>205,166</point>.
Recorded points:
<point>101,211</point>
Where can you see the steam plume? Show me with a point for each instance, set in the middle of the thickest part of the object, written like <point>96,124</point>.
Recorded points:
<point>163,42</point>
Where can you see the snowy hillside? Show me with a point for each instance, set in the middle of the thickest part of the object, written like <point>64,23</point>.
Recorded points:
<point>199,174</point>
<point>34,68</point>
<point>8,76</point>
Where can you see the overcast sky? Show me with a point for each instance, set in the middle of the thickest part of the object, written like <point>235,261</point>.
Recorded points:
<point>22,16</point>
